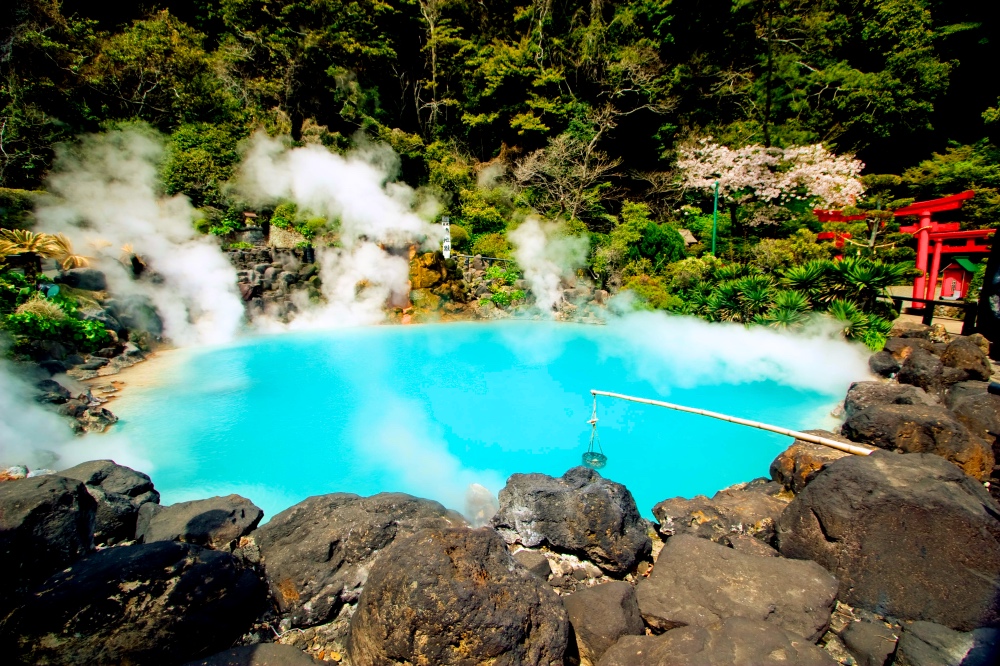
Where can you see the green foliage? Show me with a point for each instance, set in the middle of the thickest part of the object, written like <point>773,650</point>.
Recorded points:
<point>491,245</point>
<point>16,207</point>
<point>502,299</point>
<point>961,168</point>
<point>774,254</point>
<point>461,240</point>
<point>239,245</point>
<point>653,292</point>
<point>86,336</point>
<point>501,275</point>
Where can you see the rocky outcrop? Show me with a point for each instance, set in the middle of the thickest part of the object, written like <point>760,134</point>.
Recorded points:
<point>929,644</point>
<point>266,654</point>
<point>317,554</point>
<point>921,429</point>
<point>580,513</point>
<point>535,562</point>
<point>598,617</point>
<point>862,395</point>
<point>455,596</point>
<point>736,641</point>
<point>119,492</point>
<point>156,603</point>
<point>802,461</point>
<point>910,536</point>
<point>697,582</point>
<point>217,522</point>
<point>46,524</point>
<point>748,508</point>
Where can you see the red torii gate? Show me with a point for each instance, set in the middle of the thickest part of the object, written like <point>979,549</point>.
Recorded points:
<point>926,230</point>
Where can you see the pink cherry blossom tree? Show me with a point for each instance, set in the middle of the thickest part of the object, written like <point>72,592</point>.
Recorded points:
<point>771,175</point>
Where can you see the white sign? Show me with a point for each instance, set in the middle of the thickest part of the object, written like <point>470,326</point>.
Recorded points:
<point>446,246</point>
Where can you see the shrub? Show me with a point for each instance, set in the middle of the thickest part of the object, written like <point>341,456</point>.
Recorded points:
<point>653,292</point>
<point>501,299</point>
<point>284,215</point>
<point>460,238</point>
<point>84,335</point>
<point>491,245</point>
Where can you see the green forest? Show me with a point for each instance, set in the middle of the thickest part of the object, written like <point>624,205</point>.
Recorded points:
<point>596,114</point>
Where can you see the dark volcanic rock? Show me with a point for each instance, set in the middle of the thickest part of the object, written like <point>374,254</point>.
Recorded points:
<point>910,329</point>
<point>580,513</point>
<point>802,461</point>
<point>46,523</point>
<point>216,522</point>
<point>749,508</point>
<point>965,355</point>
<point>535,562</point>
<point>89,279</point>
<point>909,536</point>
<point>900,348</point>
<point>922,429</point>
<point>154,603</point>
<point>871,643</point>
<point>599,616</point>
<point>921,368</point>
<point>884,364</point>
<point>119,492</point>
<point>697,582</point>
<point>455,596</point>
<point>978,409</point>
<point>862,395</point>
<point>929,644</point>
<point>52,392</point>
<point>317,554</point>
<point>737,642</point>
<point>748,545</point>
<point>266,654</point>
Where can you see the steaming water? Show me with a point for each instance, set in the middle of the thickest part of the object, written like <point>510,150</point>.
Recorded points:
<point>429,409</point>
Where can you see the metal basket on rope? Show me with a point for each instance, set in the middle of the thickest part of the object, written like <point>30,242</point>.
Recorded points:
<point>594,459</point>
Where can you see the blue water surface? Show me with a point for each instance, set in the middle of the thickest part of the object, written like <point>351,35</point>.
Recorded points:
<point>430,409</point>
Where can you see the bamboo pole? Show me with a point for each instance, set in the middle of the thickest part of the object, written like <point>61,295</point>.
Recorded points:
<point>815,439</point>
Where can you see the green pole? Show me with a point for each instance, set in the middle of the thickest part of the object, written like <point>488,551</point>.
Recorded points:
<point>715,216</point>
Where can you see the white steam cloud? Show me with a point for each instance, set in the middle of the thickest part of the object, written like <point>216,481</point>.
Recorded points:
<point>373,213</point>
<point>104,195</point>
<point>547,255</point>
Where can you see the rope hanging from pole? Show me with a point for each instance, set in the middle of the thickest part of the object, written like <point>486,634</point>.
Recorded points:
<point>594,459</point>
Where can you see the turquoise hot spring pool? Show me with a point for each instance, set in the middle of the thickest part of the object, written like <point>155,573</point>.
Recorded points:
<point>430,409</point>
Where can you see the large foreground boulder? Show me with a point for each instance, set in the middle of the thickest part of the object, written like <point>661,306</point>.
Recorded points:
<point>922,368</point>
<point>217,522</point>
<point>922,429</point>
<point>697,582</point>
<point>580,513</point>
<point>119,492</point>
<point>802,461</point>
<point>909,536</point>
<point>598,617</point>
<point>456,596</point>
<point>317,554</point>
<point>46,524</point>
<point>737,641</point>
<point>145,604</point>
<point>929,644</point>
<point>747,508</point>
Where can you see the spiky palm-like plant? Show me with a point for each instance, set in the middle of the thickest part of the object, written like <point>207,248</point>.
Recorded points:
<point>65,255</point>
<point>33,247</point>
<point>864,280</point>
<point>809,279</point>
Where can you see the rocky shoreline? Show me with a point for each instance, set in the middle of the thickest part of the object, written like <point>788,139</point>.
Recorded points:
<point>892,558</point>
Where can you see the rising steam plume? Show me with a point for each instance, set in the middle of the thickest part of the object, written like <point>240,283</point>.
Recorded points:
<point>105,194</point>
<point>374,214</point>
